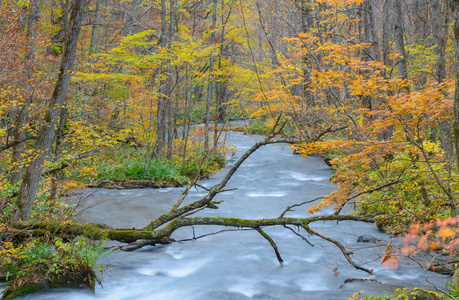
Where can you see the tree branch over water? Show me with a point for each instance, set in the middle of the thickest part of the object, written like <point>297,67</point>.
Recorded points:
<point>160,230</point>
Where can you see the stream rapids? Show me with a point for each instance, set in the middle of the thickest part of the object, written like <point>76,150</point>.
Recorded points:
<point>241,264</point>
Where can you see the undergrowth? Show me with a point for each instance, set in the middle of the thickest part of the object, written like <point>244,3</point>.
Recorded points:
<point>123,163</point>
<point>53,263</point>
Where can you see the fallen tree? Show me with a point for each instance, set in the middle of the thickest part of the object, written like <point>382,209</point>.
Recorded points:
<point>159,231</point>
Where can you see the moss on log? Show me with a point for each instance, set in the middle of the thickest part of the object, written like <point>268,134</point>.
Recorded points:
<point>91,230</point>
<point>97,231</point>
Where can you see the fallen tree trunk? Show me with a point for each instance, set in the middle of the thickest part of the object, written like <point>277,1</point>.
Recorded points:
<point>141,237</point>
<point>160,230</point>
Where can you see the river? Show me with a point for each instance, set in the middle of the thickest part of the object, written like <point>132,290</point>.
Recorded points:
<point>241,264</point>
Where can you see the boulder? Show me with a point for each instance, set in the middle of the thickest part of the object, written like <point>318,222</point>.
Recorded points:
<point>366,238</point>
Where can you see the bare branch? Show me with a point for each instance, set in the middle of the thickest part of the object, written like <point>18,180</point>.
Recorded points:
<point>329,130</point>
<point>67,163</point>
<point>289,208</point>
<point>16,142</point>
<point>219,188</point>
<point>271,242</point>
<point>341,247</point>
<point>446,294</point>
<point>302,237</point>
<point>371,191</point>
<point>214,233</point>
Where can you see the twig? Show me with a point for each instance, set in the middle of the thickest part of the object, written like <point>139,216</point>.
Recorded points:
<point>16,142</point>
<point>67,163</point>
<point>202,187</point>
<point>329,130</point>
<point>289,208</point>
<point>341,247</point>
<point>427,278</point>
<point>369,192</point>
<point>271,242</point>
<point>213,233</point>
<point>302,237</point>
<point>189,186</point>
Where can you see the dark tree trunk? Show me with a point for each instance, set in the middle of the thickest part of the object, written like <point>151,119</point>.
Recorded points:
<point>211,82</point>
<point>163,91</point>
<point>455,10</point>
<point>386,33</point>
<point>440,20</point>
<point>57,151</point>
<point>400,39</point>
<point>95,28</point>
<point>22,118</point>
<point>170,103</point>
<point>31,179</point>
<point>307,22</point>
<point>221,87</point>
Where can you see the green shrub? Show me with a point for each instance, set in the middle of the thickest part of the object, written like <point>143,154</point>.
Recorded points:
<point>43,265</point>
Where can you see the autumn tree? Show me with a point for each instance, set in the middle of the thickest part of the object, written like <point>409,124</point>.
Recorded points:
<point>33,172</point>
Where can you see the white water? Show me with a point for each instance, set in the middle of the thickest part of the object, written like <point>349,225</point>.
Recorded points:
<point>241,264</point>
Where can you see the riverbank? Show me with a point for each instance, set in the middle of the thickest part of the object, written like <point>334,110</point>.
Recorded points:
<point>241,264</point>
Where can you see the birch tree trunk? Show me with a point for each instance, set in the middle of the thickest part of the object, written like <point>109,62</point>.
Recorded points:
<point>31,178</point>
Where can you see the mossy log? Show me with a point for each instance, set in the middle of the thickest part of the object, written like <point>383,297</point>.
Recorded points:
<point>92,231</point>
<point>159,231</point>
<point>142,237</point>
<point>98,231</point>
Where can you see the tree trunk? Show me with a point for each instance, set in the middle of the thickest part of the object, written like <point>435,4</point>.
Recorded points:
<point>170,115</point>
<point>371,38</point>
<point>400,40</point>
<point>57,151</point>
<point>386,33</point>
<point>440,20</point>
<point>455,10</point>
<point>307,22</point>
<point>370,29</point>
<point>163,91</point>
<point>211,82</point>
<point>221,88</point>
<point>31,179</point>
<point>95,28</point>
<point>20,124</point>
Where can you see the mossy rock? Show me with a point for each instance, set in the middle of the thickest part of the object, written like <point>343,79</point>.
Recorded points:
<point>417,294</point>
<point>381,227</point>
<point>23,290</point>
<point>455,279</point>
<point>38,278</point>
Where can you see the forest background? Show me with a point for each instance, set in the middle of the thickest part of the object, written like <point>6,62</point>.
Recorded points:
<point>369,85</point>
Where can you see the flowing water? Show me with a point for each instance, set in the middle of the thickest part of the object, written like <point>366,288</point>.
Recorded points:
<point>241,264</point>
